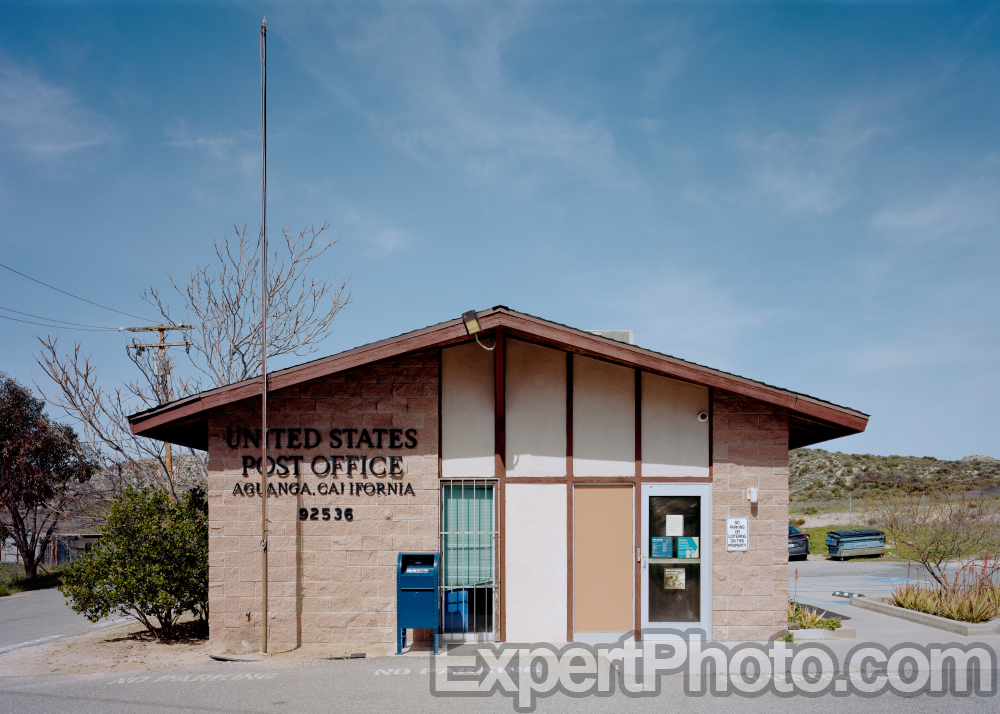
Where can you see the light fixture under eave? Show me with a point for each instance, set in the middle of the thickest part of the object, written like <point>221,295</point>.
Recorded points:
<point>473,328</point>
<point>471,322</point>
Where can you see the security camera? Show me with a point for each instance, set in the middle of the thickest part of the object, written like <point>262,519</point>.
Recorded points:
<point>703,416</point>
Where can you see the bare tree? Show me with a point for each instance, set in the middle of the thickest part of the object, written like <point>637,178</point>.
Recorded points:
<point>221,299</point>
<point>939,528</point>
<point>128,461</point>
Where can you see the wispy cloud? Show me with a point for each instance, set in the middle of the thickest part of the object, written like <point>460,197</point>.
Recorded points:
<point>814,172</point>
<point>45,121</point>
<point>690,314</point>
<point>438,86</point>
<point>217,146</point>
<point>959,209</point>
<point>378,235</point>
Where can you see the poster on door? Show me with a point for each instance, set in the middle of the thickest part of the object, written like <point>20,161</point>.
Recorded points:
<point>673,579</point>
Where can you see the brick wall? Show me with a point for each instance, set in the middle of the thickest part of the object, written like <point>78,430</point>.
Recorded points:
<point>749,449</point>
<point>331,582</point>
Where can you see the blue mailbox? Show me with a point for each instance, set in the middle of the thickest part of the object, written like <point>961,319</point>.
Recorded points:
<point>417,595</point>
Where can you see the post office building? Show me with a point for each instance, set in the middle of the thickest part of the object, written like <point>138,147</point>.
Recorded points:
<point>575,487</point>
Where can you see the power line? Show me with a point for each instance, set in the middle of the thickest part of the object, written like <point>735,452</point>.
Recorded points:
<point>74,324</point>
<point>61,327</point>
<point>105,307</point>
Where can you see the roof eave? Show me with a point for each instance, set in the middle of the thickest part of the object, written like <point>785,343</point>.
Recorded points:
<point>178,418</point>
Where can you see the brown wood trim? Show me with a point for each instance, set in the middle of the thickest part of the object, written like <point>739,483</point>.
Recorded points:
<point>569,562</point>
<point>500,402</point>
<point>500,468</point>
<point>637,584</point>
<point>638,423</point>
<point>569,414</point>
<point>417,341</point>
<point>534,330</point>
<point>440,412</point>
<point>566,337</point>
<point>711,435</point>
<point>609,480</point>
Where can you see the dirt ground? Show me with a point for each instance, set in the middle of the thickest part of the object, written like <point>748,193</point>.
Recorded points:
<point>832,518</point>
<point>130,648</point>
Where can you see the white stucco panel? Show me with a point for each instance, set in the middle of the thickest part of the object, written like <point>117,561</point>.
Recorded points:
<point>603,418</point>
<point>536,410</point>
<point>674,442</point>
<point>467,413</point>
<point>535,535</point>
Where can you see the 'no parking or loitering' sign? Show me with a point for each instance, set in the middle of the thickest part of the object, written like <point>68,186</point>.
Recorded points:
<point>737,534</point>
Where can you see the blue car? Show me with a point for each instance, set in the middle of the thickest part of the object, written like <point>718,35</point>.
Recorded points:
<point>798,543</point>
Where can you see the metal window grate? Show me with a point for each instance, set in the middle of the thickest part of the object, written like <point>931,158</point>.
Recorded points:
<point>469,538</point>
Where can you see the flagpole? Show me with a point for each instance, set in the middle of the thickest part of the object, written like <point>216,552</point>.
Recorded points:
<point>263,333</point>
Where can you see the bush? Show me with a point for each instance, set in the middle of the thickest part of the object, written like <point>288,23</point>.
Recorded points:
<point>809,619</point>
<point>970,596</point>
<point>938,529</point>
<point>151,563</point>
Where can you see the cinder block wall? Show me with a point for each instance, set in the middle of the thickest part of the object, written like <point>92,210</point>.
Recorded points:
<point>331,582</point>
<point>749,449</point>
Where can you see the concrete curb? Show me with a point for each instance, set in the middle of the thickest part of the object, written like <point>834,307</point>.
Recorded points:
<point>812,635</point>
<point>970,629</point>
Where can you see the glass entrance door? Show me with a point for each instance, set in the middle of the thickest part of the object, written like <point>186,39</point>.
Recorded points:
<point>676,560</point>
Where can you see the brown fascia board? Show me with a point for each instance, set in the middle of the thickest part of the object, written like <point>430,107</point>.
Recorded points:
<point>518,325</point>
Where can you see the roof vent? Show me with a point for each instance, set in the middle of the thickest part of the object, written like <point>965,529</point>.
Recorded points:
<point>626,336</point>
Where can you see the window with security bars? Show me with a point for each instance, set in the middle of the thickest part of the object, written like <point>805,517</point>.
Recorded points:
<point>468,563</point>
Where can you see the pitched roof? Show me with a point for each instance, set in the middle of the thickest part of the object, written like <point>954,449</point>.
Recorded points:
<point>185,421</point>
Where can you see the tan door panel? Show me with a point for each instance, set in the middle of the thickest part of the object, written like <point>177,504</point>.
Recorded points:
<point>603,558</point>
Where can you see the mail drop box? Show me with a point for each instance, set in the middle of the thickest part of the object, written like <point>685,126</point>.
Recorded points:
<point>417,595</point>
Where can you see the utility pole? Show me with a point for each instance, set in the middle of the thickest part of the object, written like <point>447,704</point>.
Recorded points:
<point>163,393</point>
<point>263,333</point>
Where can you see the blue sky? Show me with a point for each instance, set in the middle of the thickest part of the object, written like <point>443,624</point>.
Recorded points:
<point>804,193</point>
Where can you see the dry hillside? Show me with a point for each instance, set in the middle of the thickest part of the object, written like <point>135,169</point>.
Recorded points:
<point>819,475</point>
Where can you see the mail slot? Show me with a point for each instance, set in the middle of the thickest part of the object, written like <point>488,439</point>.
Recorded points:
<point>417,596</point>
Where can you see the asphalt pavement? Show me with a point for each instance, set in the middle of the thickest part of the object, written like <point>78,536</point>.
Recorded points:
<point>391,684</point>
<point>39,616</point>
<point>384,684</point>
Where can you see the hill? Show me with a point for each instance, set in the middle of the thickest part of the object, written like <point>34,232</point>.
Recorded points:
<point>819,475</point>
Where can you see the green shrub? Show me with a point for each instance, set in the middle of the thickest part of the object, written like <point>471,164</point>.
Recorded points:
<point>810,619</point>
<point>151,563</point>
<point>973,598</point>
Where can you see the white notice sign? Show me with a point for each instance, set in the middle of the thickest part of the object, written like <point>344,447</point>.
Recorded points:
<point>737,534</point>
<point>675,526</point>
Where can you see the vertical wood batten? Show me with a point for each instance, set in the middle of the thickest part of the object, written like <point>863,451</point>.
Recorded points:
<point>637,519</point>
<point>569,415</point>
<point>500,403</point>
<point>638,423</point>
<point>637,512</point>
<point>440,358</point>
<point>500,453</point>
<point>569,497</point>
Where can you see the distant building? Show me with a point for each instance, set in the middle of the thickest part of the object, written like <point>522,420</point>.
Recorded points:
<point>62,548</point>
